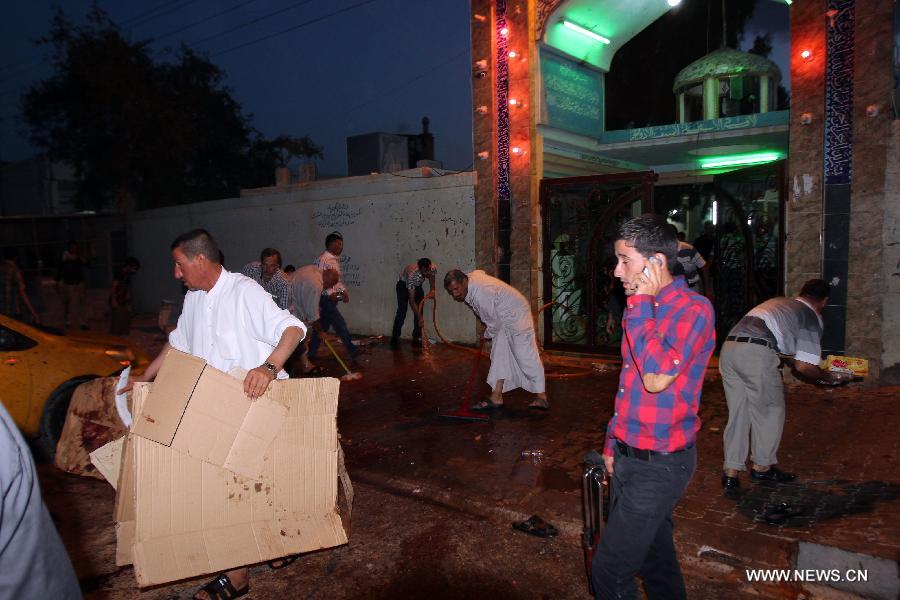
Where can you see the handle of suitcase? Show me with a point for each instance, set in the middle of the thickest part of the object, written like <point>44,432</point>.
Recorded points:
<point>595,498</point>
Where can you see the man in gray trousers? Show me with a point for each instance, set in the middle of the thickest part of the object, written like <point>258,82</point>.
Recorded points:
<point>779,329</point>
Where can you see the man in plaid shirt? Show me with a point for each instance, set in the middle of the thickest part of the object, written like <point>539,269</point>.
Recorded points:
<point>267,273</point>
<point>649,451</point>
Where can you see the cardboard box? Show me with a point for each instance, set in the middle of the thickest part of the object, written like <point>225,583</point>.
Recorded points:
<point>179,514</point>
<point>107,459</point>
<point>203,412</point>
<point>846,364</point>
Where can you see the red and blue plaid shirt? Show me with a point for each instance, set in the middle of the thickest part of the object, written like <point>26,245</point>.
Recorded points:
<point>671,334</point>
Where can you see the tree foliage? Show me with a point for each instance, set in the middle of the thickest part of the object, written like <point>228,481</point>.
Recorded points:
<point>287,147</point>
<point>762,46</point>
<point>639,82</point>
<point>142,132</point>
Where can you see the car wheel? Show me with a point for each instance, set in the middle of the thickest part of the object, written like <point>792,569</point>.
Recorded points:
<point>54,418</point>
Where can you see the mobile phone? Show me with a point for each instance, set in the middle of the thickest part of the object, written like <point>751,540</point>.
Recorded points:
<point>655,261</point>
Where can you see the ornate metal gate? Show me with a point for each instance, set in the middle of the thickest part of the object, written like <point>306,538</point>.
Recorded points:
<point>580,216</point>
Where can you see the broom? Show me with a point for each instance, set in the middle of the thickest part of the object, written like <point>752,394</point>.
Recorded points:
<point>351,375</point>
<point>464,412</point>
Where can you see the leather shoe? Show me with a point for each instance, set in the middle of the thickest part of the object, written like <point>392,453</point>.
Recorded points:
<point>772,474</point>
<point>730,483</point>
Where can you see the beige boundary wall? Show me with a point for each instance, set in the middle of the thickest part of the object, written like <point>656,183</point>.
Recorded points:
<point>387,221</point>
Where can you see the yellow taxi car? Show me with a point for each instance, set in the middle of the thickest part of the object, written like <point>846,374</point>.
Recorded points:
<point>39,370</point>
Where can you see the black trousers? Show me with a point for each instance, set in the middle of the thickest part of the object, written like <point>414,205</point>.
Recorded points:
<point>402,306</point>
<point>638,535</point>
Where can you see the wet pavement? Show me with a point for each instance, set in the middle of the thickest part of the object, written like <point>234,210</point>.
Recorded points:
<point>842,443</point>
<point>436,497</point>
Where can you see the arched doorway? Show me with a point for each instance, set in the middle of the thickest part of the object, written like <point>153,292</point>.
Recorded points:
<point>735,219</point>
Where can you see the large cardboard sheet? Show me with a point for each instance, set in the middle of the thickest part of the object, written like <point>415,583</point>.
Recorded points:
<point>183,516</point>
<point>203,412</point>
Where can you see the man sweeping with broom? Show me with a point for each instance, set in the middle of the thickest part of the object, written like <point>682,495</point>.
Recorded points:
<point>307,285</point>
<point>515,360</point>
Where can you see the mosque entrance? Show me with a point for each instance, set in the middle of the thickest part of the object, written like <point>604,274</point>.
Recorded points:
<point>733,219</point>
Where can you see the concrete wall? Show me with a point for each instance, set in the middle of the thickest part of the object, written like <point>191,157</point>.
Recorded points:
<point>872,283</point>
<point>484,131</point>
<point>37,186</point>
<point>524,175</point>
<point>803,213</point>
<point>387,221</point>
<point>867,331</point>
<point>890,299</point>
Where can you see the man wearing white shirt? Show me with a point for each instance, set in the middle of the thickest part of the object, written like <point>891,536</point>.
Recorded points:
<point>329,315</point>
<point>229,321</point>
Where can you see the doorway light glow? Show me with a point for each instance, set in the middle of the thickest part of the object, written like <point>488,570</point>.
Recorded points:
<point>585,31</point>
<point>715,212</point>
<point>737,160</point>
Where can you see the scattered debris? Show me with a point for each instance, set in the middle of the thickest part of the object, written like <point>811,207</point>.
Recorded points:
<point>779,513</point>
<point>711,553</point>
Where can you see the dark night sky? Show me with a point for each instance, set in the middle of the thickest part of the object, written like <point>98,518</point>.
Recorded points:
<point>774,18</point>
<point>380,66</point>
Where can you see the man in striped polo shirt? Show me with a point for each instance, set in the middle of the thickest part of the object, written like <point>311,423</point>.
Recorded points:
<point>410,294</point>
<point>649,451</point>
<point>779,330</point>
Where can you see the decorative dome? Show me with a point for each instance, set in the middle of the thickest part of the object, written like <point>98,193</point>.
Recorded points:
<point>725,63</point>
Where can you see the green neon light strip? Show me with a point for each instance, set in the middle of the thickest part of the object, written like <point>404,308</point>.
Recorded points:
<point>739,160</point>
<point>585,31</point>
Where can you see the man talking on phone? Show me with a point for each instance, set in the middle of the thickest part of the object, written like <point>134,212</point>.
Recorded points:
<point>649,449</point>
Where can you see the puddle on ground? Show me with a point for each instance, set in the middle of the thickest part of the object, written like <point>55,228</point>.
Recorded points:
<point>812,502</point>
<point>559,480</point>
<point>532,473</point>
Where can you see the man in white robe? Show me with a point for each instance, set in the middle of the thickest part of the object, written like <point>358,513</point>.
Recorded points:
<point>515,360</point>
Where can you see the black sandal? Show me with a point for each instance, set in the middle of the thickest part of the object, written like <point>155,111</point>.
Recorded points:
<point>536,526</point>
<point>282,562</point>
<point>221,588</point>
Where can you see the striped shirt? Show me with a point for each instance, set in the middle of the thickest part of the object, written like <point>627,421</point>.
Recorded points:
<point>412,277</point>
<point>791,325</point>
<point>672,334</point>
<point>692,262</point>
